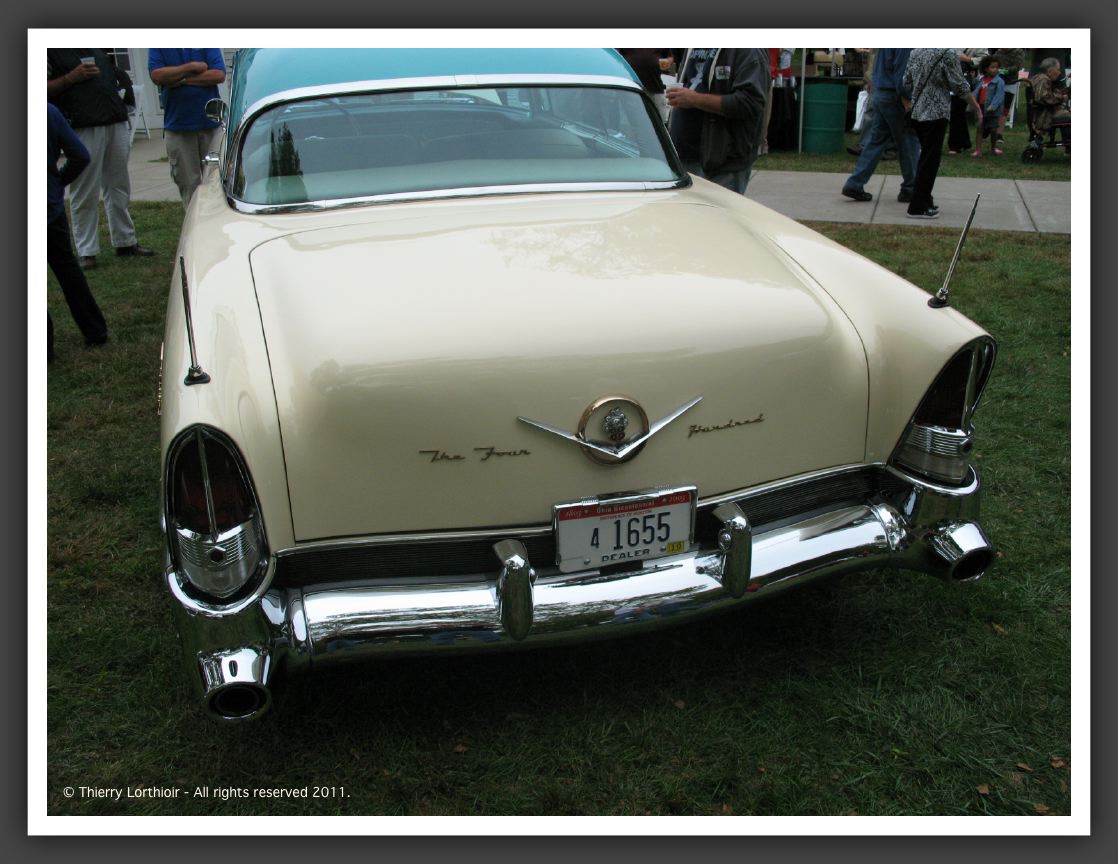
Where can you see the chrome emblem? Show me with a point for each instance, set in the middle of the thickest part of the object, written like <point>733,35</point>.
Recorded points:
<point>617,414</point>
<point>615,425</point>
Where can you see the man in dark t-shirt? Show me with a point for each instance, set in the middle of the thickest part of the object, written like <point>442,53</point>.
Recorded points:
<point>82,84</point>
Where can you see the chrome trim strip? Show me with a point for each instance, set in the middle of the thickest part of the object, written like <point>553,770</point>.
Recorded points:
<point>754,491</point>
<point>425,537</point>
<point>968,487</point>
<point>462,192</point>
<point>542,530</point>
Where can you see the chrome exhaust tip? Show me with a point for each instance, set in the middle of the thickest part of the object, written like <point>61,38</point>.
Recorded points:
<point>239,702</point>
<point>234,684</point>
<point>964,549</point>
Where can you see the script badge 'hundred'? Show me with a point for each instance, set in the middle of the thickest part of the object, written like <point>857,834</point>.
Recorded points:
<point>698,430</point>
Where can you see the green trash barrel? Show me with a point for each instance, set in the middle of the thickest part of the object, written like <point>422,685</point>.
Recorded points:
<point>824,117</point>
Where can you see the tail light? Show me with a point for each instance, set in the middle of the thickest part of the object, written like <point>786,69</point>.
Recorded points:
<point>214,526</point>
<point>940,437</point>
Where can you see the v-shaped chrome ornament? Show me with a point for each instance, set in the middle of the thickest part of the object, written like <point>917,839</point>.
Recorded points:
<point>604,452</point>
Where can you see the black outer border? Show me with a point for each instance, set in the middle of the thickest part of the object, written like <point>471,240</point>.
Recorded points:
<point>573,14</point>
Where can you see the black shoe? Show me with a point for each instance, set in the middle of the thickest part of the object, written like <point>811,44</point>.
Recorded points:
<point>930,213</point>
<point>904,197</point>
<point>135,249</point>
<point>854,151</point>
<point>857,194</point>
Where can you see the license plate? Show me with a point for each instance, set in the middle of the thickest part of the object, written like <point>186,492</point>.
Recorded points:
<point>600,532</point>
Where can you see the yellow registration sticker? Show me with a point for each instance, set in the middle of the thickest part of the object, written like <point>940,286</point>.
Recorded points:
<point>672,548</point>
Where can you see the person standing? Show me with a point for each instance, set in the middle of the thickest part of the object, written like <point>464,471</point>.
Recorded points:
<point>62,141</point>
<point>888,92</point>
<point>189,78</point>
<point>82,84</point>
<point>1010,60</point>
<point>931,76</point>
<point>958,130</point>
<point>717,112</point>
<point>989,92</point>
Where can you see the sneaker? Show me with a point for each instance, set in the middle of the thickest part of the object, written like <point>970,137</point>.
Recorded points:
<point>997,152</point>
<point>930,213</point>
<point>857,194</point>
<point>87,262</point>
<point>854,151</point>
<point>134,250</point>
<point>977,154</point>
<point>904,197</point>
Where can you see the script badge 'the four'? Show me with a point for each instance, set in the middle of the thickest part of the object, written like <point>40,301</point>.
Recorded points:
<point>620,446</point>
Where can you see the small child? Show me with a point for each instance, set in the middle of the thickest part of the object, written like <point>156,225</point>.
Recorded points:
<point>989,92</point>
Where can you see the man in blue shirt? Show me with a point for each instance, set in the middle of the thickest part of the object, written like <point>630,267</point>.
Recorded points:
<point>888,125</point>
<point>189,78</point>
<point>62,140</point>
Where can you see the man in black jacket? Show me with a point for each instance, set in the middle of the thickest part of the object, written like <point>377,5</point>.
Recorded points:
<point>82,83</point>
<point>717,112</point>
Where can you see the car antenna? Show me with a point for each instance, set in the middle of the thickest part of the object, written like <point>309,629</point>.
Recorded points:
<point>940,300</point>
<point>194,375</point>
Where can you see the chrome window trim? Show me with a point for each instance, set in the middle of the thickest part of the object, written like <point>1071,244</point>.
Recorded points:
<point>388,85</point>
<point>460,192</point>
<point>544,530</point>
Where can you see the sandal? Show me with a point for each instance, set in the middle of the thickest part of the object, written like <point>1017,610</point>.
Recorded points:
<point>977,154</point>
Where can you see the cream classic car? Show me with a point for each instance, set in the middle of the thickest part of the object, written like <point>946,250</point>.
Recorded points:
<point>458,358</point>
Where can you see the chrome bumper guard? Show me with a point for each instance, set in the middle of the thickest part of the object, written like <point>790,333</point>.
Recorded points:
<point>926,528</point>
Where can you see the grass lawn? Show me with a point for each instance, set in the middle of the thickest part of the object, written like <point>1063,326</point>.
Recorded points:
<point>1055,165</point>
<point>882,693</point>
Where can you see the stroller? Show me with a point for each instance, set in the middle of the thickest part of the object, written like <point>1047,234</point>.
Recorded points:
<point>1034,150</point>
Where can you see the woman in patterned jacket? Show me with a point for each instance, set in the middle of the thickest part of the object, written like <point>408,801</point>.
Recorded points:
<point>931,76</point>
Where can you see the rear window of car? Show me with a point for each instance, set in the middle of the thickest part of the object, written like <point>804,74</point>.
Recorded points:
<point>365,145</point>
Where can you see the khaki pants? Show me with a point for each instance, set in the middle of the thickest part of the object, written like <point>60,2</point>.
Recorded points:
<point>185,151</point>
<point>105,177</point>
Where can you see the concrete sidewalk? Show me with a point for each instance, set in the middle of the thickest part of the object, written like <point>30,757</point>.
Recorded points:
<point>1007,205</point>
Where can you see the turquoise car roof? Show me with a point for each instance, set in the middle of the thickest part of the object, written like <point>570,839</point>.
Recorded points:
<point>260,72</point>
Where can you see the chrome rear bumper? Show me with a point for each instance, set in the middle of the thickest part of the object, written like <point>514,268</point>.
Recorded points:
<point>925,528</point>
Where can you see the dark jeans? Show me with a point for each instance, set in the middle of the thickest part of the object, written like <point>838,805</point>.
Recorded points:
<point>64,264</point>
<point>888,127</point>
<point>958,136</point>
<point>930,133</point>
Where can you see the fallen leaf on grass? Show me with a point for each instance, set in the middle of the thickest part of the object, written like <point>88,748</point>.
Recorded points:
<point>1041,809</point>
<point>460,748</point>
<point>727,809</point>
<point>680,704</point>
<point>1057,762</point>
<point>1024,767</point>
<point>760,769</point>
<point>999,629</point>
<point>1016,777</point>
<point>983,789</point>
